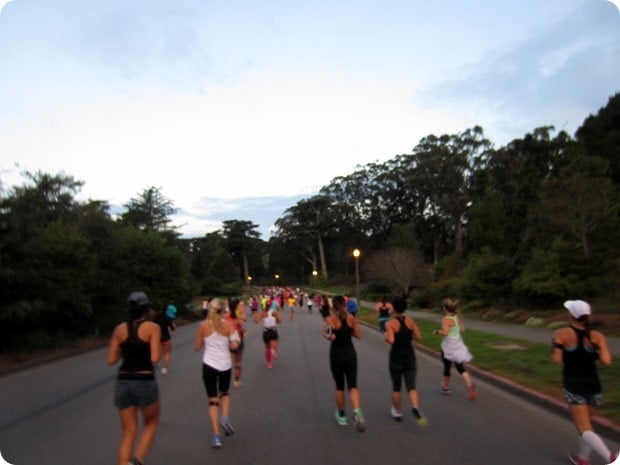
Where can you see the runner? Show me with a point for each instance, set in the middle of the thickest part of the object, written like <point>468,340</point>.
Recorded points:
<point>254,307</point>
<point>138,343</point>
<point>291,301</point>
<point>217,336</point>
<point>309,302</point>
<point>384,308</point>
<point>339,328</point>
<point>399,333</point>
<point>453,349</point>
<point>578,348</point>
<point>167,326</point>
<point>238,318</point>
<point>271,318</point>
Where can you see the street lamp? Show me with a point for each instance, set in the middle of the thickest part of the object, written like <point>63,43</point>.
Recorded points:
<point>277,276</point>
<point>356,254</point>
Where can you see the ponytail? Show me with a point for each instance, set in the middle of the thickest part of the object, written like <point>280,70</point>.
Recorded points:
<point>585,320</point>
<point>339,305</point>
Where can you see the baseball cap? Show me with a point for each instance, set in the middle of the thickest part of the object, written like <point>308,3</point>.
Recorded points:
<point>138,299</point>
<point>578,308</point>
<point>171,311</point>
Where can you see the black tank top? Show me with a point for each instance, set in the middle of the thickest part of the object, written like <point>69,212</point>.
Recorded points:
<point>343,334</point>
<point>384,312</point>
<point>580,375</point>
<point>402,340</point>
<point>136,352</point>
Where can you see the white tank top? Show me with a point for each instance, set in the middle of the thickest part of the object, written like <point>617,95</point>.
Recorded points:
<point>269,321</point>
<point>217,352</point>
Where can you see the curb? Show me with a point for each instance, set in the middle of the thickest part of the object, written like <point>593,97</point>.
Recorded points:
<point>603,425</point>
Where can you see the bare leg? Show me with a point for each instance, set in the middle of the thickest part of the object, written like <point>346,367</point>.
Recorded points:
<point>396,400</point>
<point>150,415</point>
<point>129,423</point>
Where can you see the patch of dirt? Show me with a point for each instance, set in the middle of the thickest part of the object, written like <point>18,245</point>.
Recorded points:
<point>505,346</point>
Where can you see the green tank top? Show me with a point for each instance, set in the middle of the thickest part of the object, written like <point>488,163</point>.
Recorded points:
<point>455,331</point>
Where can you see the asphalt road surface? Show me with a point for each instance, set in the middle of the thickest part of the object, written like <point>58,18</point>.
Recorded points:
<point>62,413</point>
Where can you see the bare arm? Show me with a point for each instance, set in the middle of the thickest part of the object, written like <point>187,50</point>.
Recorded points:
<point>357,332</point>
<point>604,354</point>
<point>114,348</point>
<point>389,332</point>
<point>415,330</point>
<point>155,342</point>
<point>557,348</point>
<point>198,339</point>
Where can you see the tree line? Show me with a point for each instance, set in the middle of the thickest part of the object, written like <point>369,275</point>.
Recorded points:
<point>528,223</point>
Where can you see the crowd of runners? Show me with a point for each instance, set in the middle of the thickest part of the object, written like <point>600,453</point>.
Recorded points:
<point>140,342</point>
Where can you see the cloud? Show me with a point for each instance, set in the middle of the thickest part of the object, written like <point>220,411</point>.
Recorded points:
<point>552,78</point>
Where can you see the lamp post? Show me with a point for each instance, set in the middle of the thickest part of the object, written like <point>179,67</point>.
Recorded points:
<point>277,276</point>
<point>314,275</point>
<point>356,255</point>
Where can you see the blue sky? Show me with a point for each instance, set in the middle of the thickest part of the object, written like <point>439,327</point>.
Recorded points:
<point>239,109</point>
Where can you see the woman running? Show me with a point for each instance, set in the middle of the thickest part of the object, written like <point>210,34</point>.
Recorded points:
<point>217,336</point>
<point>339,328</point>
<point>453,349</point>
<point>384,308</point>
<point>271,318</point>
<point>238,318</point>
<point>137,343</point>
<point>578,348</point>
<point>399,333</point>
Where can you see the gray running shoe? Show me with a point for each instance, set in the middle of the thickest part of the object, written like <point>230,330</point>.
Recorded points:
<point>226,426</point>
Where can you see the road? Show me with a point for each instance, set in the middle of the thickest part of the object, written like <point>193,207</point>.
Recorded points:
<point>62,413</point>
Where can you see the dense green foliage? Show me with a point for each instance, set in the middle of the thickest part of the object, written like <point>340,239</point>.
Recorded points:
<point>529,223</point>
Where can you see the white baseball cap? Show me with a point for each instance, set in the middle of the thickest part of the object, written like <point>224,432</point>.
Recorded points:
<point>578,308</point>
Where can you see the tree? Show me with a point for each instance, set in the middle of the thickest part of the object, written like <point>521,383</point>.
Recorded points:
<point>149,211</point>
<point>600,135</point>
<point>239,238</point>
<point>401,269</point>
<point>307,222</point>
<point>580,200</point>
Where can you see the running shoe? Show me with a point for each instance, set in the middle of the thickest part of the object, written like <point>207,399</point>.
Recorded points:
<point>341,420</point>
<point>164,371</point>
<point>358,418</point>
<point>237,384</point>
<point>417,412</point>
<point>576,460</point>
<point>446,390</point>
<point>226,426</point>
<point>269,365</point>
<point>216,442</point>
<point>396,415</point>
<point>472,393</point>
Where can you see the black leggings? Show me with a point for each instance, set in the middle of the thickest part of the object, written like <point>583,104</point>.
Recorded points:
<point>343,365</point>
<point>460,367</point>
<point>216,382</point>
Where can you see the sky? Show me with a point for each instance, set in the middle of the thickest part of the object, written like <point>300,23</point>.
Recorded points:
<point>237,110</point>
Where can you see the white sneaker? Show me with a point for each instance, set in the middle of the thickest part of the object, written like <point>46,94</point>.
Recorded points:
<point>396,415</point>
<point>164,371</point>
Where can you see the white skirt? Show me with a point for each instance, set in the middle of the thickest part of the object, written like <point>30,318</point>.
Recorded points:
<point>455,350</point>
